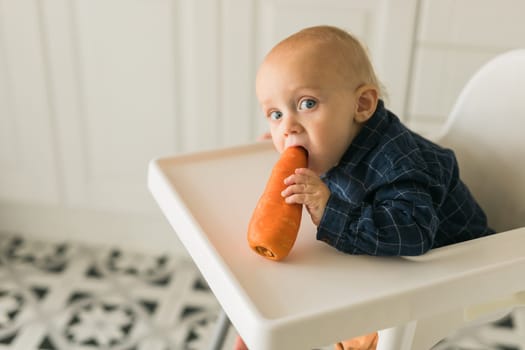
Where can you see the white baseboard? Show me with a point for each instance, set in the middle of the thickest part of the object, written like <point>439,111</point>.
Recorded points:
<point>149,233</point>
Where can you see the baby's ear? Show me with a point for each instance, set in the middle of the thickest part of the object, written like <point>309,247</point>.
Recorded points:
<point>366,98</point>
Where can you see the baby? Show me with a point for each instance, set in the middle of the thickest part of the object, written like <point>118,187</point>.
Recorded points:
<point>372,186</point>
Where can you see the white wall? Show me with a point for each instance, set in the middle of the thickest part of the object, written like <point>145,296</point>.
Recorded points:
<point>91,90</point>
<point>454,38</point>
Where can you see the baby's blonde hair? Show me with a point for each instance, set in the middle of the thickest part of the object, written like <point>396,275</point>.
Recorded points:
<point>348,48</point>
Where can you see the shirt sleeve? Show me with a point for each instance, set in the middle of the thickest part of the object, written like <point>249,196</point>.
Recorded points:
<point>397,219</point>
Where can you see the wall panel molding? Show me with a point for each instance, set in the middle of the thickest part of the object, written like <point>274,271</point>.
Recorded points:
<point>114,83</point>
<point>29,172</point>
<point>199,48</point>
<point>114,87</point>
<point>65,84</point>
<point>237,79</point>
<point>454,39</point>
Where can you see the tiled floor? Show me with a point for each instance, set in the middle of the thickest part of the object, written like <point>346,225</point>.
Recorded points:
<point>76,297</point>
<point>70,296</point>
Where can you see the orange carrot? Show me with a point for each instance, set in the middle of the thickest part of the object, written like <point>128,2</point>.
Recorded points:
<point>274,224</point>
<point>364,342</point>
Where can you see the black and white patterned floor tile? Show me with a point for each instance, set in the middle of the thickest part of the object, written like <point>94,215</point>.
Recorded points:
<point>76,297</point>
<point>507,333</point>
<point>68,296</point>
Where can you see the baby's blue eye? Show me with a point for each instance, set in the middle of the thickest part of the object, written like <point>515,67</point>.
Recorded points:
<point>307,104</point>
<point>275,115</point>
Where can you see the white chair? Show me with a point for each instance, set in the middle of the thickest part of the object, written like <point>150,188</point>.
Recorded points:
<point>486,129</point>
<point>318,296</point>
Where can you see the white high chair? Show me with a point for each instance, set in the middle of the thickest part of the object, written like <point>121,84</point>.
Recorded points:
<point>317,295</point>
<point>486,129</point>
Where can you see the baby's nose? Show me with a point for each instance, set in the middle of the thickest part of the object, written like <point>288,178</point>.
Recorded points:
<point>290,125</point>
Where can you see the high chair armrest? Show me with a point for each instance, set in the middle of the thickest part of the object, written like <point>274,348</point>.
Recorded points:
<point>475,312</point>
<point>489,266</point>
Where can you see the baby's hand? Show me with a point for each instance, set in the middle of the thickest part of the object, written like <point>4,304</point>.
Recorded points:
<point>306,187</point>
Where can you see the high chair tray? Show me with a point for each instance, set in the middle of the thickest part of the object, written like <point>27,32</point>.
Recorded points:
<point>317,295</point>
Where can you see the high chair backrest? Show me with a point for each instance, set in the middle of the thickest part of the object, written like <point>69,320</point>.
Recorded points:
<point>486,129</point>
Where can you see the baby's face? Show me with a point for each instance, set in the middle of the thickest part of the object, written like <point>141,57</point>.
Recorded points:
<point>308,103</point>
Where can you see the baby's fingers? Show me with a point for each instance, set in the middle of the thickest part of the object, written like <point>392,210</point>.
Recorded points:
<point>297,188</point>
<point>306,172</point>
<point>301,175</point>
<point>296,198</point>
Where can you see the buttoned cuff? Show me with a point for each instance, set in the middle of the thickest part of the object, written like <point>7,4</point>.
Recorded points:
<point>334,226</point>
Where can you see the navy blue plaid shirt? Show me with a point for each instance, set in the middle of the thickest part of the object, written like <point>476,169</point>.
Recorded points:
<point>396,193</point>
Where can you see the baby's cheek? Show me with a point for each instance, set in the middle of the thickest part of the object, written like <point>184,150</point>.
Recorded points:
<point>278,144</point>
<point>312,165</point>
<point>317,168</point>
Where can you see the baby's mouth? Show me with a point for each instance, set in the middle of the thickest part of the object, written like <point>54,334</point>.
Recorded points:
<point>304,148</point>
<point>300,146</point>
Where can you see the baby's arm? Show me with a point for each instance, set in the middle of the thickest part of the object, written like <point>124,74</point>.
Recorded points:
<point>396,219</point>
<point>305,187</point>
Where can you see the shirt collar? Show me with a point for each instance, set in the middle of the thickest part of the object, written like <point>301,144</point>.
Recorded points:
<point>367,138</point>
